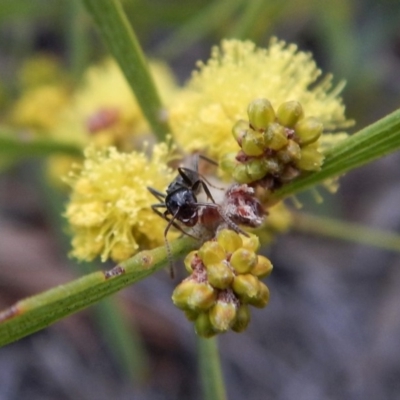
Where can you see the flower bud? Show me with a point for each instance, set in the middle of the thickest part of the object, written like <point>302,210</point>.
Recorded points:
<point>228,162</point>
<point>289,113</point>
<point>308,130</point>
<point>272,165</point>
<point>220,275</point>
<point>203,326</point>
<point>251,243</point>
<point>240,174</point>
<point>261,113</point>
<point>202,297</point>
<point>211,253</point>
<point>239,130</point>
<point>262,298</point>
<point>311,159</point>
<point>243,317</point>
<point>222,315</point>
<point>290,153</point>
<point>256,169</point>
<point>263,267</point>
<point>188,261</point>
<point>246,286</point>
<point>229,240</point>
<point>182,292</point>
<point>275,137</point>
<point>253,143</point>
<point>243,261</point>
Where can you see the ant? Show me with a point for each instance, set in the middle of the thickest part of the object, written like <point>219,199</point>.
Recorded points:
<point>180,202</point>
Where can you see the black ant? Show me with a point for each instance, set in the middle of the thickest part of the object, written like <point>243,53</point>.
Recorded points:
<point>180,202</point>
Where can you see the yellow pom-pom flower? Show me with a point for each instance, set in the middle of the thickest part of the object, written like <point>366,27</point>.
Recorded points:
<point>39,109</point>
<point>224,280</point>
<point>204,112</point>
<point>104,111</point>
<point>109,212</point>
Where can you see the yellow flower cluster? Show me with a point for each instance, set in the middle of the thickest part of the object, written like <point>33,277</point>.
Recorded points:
<point>109,212</point>
<point>203,113</point>
<point>224,281</point>
<point>104,111</point>
<point>45,94</point>
<point>276,146</point>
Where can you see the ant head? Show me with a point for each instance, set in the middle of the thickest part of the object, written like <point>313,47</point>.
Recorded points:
<point>182,203</point>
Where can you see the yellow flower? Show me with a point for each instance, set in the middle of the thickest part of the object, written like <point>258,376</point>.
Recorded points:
<point>39,70</point>
<point>39,109</point>
<point>110,211</point>
<point>44,94</point>
<point>104,111</point>
<point>203,114</point>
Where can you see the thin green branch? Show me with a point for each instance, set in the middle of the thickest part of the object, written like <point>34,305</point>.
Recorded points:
<point>121,40</point>
<point>125,343</point>
<point>77,38</point>
<point>15,146</point>
<point>372,142</point>
<point>37,312</point>
<point>249,18</point>
<point>123,340</point>
<point>344,230</point>
<point>211,17</point>
<point>210,369</point>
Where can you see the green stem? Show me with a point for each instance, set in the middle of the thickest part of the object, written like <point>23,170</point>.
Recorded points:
<point>77,35</point>
<point>351,232</point>
<point>123,340</point>
<point>125,343</point>
<point>372,142</point>
<point>211,17</point>
<point>210,369</point>
<point>37,312</point>
<point>249,18</point>
<point>15,146</point>
<point>121,40</point>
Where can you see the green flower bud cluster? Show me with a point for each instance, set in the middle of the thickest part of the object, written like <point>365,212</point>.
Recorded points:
<point>276,144</point>
<point>224,282</point>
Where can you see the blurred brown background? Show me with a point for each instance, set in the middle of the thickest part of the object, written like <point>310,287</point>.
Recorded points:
<point>332,328</point>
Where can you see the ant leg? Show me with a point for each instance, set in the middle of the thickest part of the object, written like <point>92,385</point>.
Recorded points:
<point>207,190</point>
<point>156,193</point>
<point>208,160</point>
<point>171,221</point>
<point>186,174</point>
<point>169,253</point>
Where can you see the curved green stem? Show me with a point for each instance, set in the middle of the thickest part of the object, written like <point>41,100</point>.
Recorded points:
<point>37,312</point>
<point>210,369</point>
<point>121,40</point>
<point>372,142</point>
<point>11,145</point>
<point>344,230</point>
<point>210,17</point>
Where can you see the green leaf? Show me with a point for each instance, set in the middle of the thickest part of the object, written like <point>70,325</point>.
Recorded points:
<point>372,142</point>
<point>120,38</point>
<point>37,312</point>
